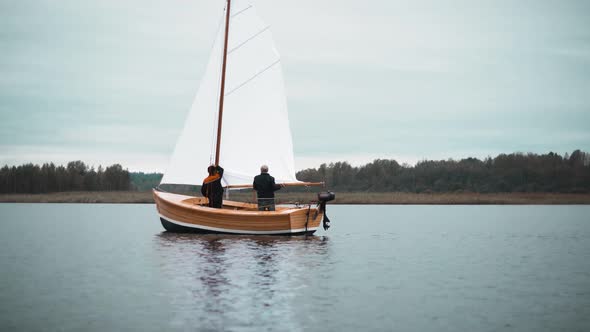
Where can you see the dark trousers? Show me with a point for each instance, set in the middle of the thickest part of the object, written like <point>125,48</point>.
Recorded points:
<point>266,204</point>
<point>216,201</point>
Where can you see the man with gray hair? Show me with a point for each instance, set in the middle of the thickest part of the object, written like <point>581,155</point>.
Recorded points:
<point>265,187</point>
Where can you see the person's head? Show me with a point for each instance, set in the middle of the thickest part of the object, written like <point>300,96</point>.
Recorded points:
<point>263,169</point>
<point>211,170</point>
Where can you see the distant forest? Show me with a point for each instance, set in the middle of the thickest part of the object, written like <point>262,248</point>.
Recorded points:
<point>75,176</point>
<point>516,172</point>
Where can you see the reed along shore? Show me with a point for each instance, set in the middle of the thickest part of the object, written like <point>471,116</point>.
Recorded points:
<point>393,198</point>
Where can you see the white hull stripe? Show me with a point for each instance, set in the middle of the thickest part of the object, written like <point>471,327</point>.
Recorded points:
<point>235,231</point>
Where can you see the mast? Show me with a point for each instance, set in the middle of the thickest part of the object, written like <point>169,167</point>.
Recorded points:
<point>222,90</point>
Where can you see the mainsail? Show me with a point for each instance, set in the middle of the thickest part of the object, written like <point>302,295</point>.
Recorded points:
<point>255,121</point>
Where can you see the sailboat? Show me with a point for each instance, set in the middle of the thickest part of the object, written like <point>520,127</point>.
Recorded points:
<point>239,121</point>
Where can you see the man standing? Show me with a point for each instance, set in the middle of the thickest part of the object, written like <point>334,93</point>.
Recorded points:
<point>212,188</point>
<point>265,187</point>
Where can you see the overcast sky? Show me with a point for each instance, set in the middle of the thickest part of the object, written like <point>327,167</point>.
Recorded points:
<point>110,81</point>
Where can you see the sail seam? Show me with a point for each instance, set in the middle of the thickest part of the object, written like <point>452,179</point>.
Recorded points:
<point>241,11</point>
<point>249,39</point>
<point>253,77</point>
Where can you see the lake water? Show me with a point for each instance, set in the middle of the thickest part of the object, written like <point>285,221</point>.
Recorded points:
<point>72,267</point>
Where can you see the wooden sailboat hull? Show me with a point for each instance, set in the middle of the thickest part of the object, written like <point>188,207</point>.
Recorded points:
<point>180,213</point>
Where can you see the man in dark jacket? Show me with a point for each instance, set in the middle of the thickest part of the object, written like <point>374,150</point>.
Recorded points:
<point>212,188</point>
<point>265,187</point>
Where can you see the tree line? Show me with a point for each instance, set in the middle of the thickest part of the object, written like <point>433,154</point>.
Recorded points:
<point>141,181</point>
<point>75,176</point>
<point>516,172</point>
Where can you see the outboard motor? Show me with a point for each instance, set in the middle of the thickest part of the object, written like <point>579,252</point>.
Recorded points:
<point>323,198</point>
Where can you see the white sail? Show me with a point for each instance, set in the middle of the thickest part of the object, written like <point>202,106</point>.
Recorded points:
<point>255,126</point>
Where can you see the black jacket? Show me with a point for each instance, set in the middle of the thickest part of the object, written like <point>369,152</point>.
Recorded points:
<point>265,185</point>
<point>214,190</point>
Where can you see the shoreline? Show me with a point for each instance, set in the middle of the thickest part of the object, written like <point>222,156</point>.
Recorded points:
<point>350,198</point>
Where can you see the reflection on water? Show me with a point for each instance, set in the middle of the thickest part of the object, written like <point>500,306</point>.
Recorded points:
<point>225,276</point>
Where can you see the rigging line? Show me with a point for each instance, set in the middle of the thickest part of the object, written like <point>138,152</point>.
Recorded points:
<point>220,21</point>
<point>253,77</point>
<point>241,11</point>
<point>249,39</point>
